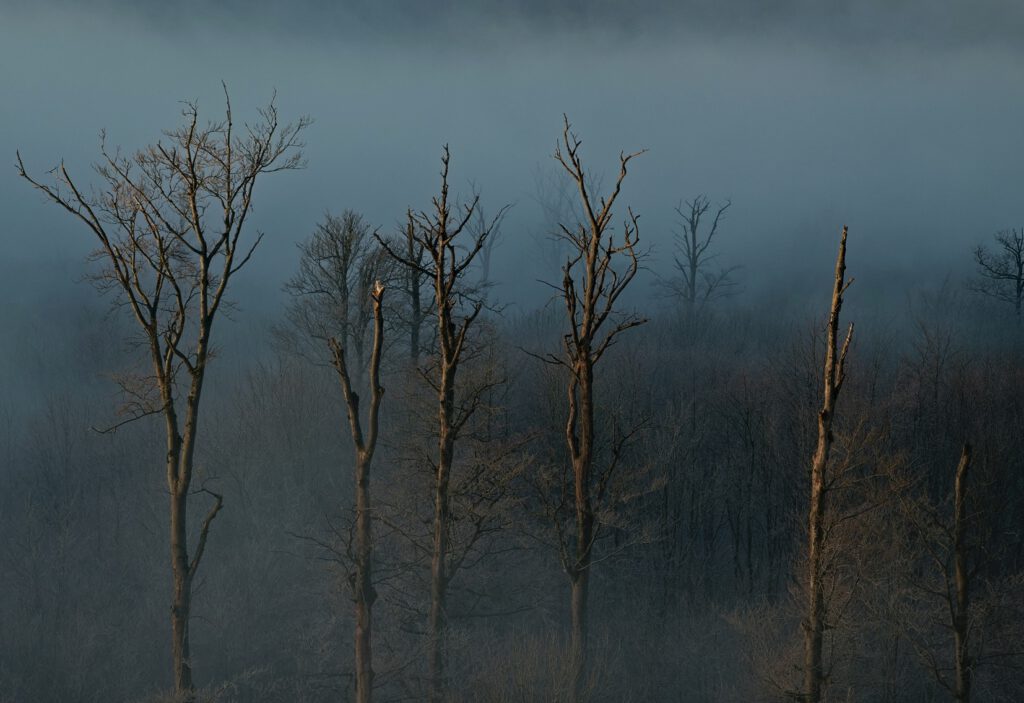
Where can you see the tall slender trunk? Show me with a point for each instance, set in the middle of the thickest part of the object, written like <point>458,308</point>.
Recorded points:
<point>181,602</point>
<point>834,374</point>
<point>962,689</point>
<point>579,593</point>
<point>581,442</point>
<point>414,281</point>
<point>181,586</point>
<point>691,293</point>
<point>591,285</point>
<point>438,587</point>
<point>437,625</point>
<point>414,328</point>
<point>815,623</point>
<point>432,236</point>
<point>364,593</point>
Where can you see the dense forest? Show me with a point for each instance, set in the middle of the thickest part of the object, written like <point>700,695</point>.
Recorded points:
<point>397,486</point>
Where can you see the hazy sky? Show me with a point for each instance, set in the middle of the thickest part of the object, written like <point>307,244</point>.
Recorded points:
<point>902,119</point>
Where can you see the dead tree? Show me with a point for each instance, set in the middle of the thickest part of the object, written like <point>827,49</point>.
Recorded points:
<point>696,283</point>
<point>1001,273</point>
<point>834,374</point>
<point>171,225</point>
<point>449,246</point>
<point>363,593</point>
<point>595,276</point>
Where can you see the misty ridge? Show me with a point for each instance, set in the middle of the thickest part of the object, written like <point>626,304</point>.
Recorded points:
<point>560,352</point>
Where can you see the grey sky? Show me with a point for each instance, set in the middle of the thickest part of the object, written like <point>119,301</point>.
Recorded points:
<point>901,118</point>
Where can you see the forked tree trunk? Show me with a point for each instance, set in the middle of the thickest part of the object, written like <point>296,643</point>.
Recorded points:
<point>835,360</point>
<point>363,593</point>
<point>962,684</point>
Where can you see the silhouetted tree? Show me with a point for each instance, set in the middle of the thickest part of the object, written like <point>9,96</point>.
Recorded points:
<point>1001,272</point>
<point>331,294</point>
<point>696,282</point>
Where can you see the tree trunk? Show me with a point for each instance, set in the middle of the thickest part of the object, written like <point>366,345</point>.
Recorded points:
<point>691,293</point>
<point>365,595</point>
<point>581,441</point>
<point>580,590</point>
<point>414,281</point>
<point>834,375</point>
<point>181,603</point>
<point>815,625</point>
<point>439,560</point>
<point>962,690</point>
<point>438,571</point>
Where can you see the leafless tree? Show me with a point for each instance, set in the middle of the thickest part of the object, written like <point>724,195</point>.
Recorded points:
<point>834,375</point>
<point>956,618</point>
<point>365,443</point>
<point>171,225</point>
<point>596,274</point>
<point>449,247</point>
<point>331,293</point>
<point>1001,273</point>
<point>695,282</point>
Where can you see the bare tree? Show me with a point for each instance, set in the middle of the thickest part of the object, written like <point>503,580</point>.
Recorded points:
<point>696,283</point>
<point>1001,273</point>
<point>449,245</point>
<point>363,593</point>
<point>332,292</point>
<point>948,586</point>
<point>596,274</point>
<point>170,222</point>
<point>834,376</point>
